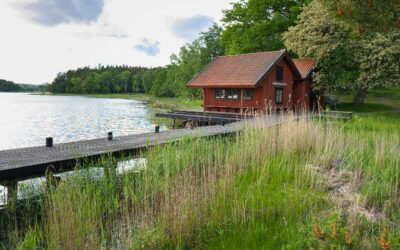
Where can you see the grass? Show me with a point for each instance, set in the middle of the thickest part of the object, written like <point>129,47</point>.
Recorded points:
<point>276,188</point>
<point>378,100</point>
<point>380,112</point>
<point>261,189</point>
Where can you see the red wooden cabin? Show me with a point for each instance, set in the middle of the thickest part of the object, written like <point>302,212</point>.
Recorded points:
<point>256,81</point>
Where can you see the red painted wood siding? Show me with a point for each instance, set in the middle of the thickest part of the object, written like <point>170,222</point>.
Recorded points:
<point>263,95</point>
<point>302,92</point>
<point>269,89</point>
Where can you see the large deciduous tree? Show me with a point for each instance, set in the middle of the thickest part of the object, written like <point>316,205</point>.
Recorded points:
<point>378,60</point>
<point>345,59</point>
<point>366,15</point>
<point>257,25</point>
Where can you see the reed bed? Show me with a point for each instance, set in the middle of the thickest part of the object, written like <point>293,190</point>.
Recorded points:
<point>264,188</point>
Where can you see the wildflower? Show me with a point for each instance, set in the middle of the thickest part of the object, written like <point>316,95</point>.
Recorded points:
<point>334,230</point>
<point>350,13</point>
<point>348,239</point>
<point>384,239</point>
<point>317,232</point>
<point>339,9</point>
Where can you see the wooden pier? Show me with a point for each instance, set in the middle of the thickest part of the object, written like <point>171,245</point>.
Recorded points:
<point>29,162</point>
<point>24,163</point>
<point>205,118</point>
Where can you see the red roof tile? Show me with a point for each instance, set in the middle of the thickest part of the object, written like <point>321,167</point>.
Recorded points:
<point>305,66</point>
<point>237,71</point>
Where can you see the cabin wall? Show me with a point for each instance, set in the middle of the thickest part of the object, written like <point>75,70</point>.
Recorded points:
<point>263,95</point>
<point>302,91</point>
<point>269,88</point>
<point>210,103</point>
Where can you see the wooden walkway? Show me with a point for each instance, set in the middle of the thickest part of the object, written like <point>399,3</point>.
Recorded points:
<point>30,162</point>
<point>209,117</point>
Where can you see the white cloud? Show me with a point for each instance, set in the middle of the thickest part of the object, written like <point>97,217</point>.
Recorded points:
<point>53,12</point>
<point>32,52</point>
<point>149,48</point>
<point>190,28</point>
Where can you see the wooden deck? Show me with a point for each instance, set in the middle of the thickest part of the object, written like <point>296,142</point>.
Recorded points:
<point>30,162</point>
<point>209,117</point>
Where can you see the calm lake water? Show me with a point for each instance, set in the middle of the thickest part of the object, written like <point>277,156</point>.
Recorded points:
<point>26,120</point>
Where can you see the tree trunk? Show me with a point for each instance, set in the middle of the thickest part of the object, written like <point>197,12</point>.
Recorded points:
<point>360,96</point>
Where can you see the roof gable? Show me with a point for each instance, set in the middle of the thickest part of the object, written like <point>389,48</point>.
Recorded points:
<point>246,70</point>
<point>305,67</point>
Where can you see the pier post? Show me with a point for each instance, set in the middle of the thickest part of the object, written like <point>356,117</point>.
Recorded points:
<point>49,142</point>
<point>110,136</point>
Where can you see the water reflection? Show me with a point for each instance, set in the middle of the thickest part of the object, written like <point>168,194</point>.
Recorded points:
<point>26,120</point>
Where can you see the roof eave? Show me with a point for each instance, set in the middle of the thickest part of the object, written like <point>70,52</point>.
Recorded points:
<point>283,55</point>
<point>197,75</point>
<point>224,86</point>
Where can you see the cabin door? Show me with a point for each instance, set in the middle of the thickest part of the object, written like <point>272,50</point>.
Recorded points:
<point>313,102</point>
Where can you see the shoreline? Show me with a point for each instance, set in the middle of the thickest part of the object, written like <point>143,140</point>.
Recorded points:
<point>159,103</point>
<point>155,104</point>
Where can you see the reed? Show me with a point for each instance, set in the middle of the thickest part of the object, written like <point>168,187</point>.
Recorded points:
<point>263,188</point>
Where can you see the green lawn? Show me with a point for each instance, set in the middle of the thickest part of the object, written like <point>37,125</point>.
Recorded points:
<point>379,100</point>
<point>380,112</point>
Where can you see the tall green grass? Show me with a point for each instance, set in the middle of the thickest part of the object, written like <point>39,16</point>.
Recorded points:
<point>253,190</point>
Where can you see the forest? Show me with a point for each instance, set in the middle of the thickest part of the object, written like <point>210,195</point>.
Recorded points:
<point>8,86</point>
<point>324,30</point>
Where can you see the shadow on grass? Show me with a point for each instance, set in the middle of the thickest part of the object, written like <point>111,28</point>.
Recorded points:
<point>362,108</point>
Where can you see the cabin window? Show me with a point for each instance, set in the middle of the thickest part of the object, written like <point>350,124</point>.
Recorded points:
<point>248,94</point>
<point>233,94</point>
<point>278,96</point>
<point>220,94</point>
<point>279,73</point>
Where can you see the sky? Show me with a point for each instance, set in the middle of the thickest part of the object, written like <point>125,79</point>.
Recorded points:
<point>40,38</point>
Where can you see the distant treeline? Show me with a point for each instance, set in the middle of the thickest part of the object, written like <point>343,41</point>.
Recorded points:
<point>8,86</point>
<point>119,79</point>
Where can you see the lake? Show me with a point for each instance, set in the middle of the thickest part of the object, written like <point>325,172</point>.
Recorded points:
<point>26,119</point>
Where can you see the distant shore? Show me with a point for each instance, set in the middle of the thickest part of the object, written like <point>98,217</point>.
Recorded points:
<point>159,103</point>
<point>156,104</point>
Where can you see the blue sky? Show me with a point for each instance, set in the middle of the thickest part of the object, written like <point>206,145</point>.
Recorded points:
<point>43,37</point>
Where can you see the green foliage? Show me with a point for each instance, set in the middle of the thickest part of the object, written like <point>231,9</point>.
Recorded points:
<point>344,60</point>
<point>367,15</point>
<point>8,86</point>
<point>257,25</point>
<point>317,35</point>
<point>379,60</point>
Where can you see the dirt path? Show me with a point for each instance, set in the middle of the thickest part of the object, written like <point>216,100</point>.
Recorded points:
<point>344,188</point>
